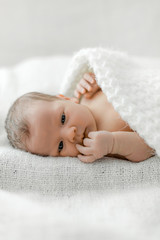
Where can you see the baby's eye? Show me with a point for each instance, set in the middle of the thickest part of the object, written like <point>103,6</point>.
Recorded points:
<point>60,147</point>
<point>63,118</point>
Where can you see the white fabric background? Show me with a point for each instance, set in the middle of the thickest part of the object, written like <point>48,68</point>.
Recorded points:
<point>46,27</point>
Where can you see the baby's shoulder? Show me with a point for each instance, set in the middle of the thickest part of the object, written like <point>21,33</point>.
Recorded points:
<point>98,97</point>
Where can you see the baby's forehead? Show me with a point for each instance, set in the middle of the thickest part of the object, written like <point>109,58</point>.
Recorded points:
<point>43,109</point>
<point>44,106</point>
<point>39,117</point>
<point>46,109</point>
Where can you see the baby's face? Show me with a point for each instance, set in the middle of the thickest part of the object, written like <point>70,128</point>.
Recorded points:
<point>56,127</point>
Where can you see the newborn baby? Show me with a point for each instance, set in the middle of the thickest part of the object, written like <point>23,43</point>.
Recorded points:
<point>86,126</point>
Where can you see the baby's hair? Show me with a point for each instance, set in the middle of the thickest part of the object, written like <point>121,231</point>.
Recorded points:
<point>16,124</point>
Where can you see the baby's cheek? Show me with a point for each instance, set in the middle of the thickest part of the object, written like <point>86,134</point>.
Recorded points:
<point>72,151</point>
<point>75,151</point>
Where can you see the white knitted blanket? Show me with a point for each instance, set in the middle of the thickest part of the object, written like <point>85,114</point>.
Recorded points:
<point>130,83</point>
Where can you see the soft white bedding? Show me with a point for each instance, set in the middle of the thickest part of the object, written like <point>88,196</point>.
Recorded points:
<point>121,216</point>
<point>112,199</point>
<point>131,86</point>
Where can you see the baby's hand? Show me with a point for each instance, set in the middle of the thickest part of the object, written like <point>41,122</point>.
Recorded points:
<point>97,145</point>
<point>87,86</point>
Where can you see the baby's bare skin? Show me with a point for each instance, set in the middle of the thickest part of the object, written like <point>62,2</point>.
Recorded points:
<point>127,143</point>
<point>109,120</point>
<point>104,113</point>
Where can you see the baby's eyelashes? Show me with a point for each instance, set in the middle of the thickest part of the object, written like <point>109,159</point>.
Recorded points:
<point>63,118</point>
<point>60,147</point>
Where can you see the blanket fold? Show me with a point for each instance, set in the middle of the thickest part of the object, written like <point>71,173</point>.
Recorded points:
<point>131,84</point>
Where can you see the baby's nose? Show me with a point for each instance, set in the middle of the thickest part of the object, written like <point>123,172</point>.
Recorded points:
<point>72,134</point>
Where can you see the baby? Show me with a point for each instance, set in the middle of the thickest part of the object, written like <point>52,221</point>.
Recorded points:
<point>86,126</point>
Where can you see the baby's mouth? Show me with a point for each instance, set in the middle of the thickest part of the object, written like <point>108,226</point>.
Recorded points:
<point>83,136</point>
<point>85,133</point>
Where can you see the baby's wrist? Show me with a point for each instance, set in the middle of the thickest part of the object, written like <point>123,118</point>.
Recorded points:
<point>114,145</point>
<point>109,143</point>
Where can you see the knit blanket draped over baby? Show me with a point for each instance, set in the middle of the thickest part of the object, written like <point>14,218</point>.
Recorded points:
<point>131,84</point>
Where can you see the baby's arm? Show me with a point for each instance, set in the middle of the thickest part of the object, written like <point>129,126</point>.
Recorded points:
<point>126,145</point>
<point>131,146</point>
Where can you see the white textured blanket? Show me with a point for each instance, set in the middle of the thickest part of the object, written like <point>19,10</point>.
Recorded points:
<point>130,83</point>
<point>109,199</point>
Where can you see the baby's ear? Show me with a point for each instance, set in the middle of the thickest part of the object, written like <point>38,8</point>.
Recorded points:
<point>76,100</point>
<point>62,97</point>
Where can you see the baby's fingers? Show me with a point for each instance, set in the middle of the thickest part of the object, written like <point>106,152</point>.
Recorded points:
<point>88,94</point>
<point>84,150</point>
<point>80,90</point>
<point>95,88</point>
<point>89,77</point>
<point>86,159</point>
<point>77,94</point>
<point>86,85</point>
